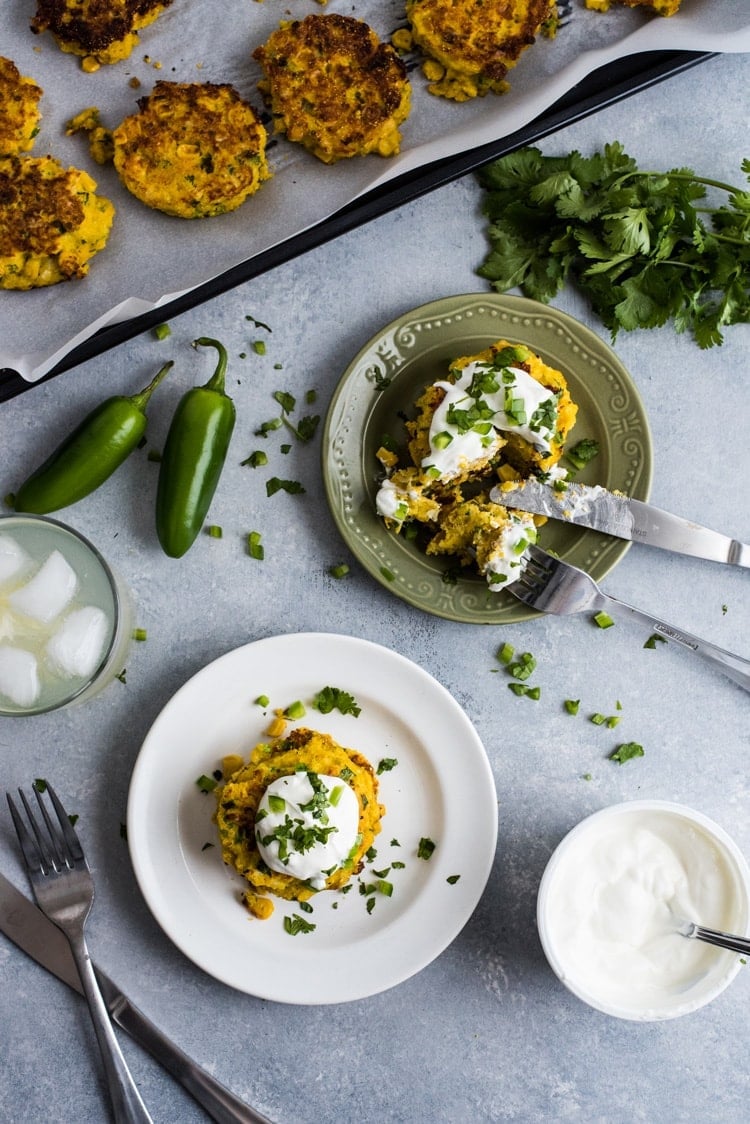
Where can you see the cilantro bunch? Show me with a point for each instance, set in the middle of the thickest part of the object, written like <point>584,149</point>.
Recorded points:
<point>642,246</point>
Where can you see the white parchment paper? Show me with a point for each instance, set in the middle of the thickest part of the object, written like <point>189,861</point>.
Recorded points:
<point>151,257</point>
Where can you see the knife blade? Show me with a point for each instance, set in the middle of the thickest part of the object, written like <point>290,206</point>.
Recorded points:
<point>28,928</point>
<point>616,514</point>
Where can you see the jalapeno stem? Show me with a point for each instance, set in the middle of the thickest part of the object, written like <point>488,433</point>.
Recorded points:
<point>216,382</point>
<point>140,400</point>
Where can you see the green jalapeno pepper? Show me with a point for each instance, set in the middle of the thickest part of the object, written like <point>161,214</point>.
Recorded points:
<point>193,458</point>
<point>90,454</point>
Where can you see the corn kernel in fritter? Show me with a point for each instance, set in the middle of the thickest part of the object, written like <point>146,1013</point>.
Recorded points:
<point>332,86</point>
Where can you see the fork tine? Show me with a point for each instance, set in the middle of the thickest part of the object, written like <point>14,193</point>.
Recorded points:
<point>31,853</point>
<point>47,844</point>
<point>69,833</point>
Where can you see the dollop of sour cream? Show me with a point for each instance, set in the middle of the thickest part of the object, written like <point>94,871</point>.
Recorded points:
<point>508,560</point>
<point>392,503</point>
<point>307,826</point>
<point>613,907</point>
<point>466,427</point>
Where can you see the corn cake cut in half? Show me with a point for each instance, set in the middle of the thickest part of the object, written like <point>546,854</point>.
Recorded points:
<point>193,150</point>
<point>471,46</point>
<point>19,98</point>
<point>52,222</point>
<point>99,31</point>
<point>660,7</point>
<point>250,789</point>
<point>332,86</point>
<point>502,414</point>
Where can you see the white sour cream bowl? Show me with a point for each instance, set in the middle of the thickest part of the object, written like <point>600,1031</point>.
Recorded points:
<point>613,896</point>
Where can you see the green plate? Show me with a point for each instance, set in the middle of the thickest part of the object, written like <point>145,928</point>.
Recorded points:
<point>379,388</point>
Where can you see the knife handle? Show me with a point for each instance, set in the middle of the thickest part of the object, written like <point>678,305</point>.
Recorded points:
<point>220,1104</point>
<point>735,667</point>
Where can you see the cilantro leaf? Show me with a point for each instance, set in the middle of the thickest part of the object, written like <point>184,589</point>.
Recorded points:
<point>333,698</point>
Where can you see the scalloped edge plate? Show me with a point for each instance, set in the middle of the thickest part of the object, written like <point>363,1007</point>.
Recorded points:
<point>381,384</point>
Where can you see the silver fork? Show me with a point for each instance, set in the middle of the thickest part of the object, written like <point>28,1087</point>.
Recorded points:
<point>554,586</point>
<point>64,890</point>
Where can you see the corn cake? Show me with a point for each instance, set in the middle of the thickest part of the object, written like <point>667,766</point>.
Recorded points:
<point>193,150</point>
<point>52,222</point>
<point>471,46</point>
<point>660,7</point>
<point>501,414</point>
<point>332,86</point>
<point>100,31</point>
<point>240,795</point>
<point>19,97</point>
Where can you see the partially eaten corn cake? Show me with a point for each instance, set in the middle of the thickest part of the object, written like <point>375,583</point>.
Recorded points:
<point>471,46</point>
<point>19,97</point>
<point>99,31</point>
<point>501,414</point>
<point>332,86</point>
<point>193,150</point>
<point>297,818</point>
<point>52,222</point>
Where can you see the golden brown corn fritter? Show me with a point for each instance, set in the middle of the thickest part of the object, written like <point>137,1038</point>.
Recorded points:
<point>19,98</point>
<point>100,31</point>
<point>239,796</point>
<point>332,86</point>
<point>193,150</point>
<point>661,7</point>
<point>51,222</point>
<point>471,46</point>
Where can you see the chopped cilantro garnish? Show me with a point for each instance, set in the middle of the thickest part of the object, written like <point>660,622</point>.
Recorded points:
<point>333,698</point>
<point>572,705</point>
<point>274,485</point>
<point>626,752</point>
<point>583,452</point>
<point>296,924</point>
<point>425,848</point>
<point>452,879</point>
<point>386,764</point>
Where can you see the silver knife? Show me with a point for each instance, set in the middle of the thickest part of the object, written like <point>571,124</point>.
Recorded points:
<point>27,926</point>
<point>616,514</point>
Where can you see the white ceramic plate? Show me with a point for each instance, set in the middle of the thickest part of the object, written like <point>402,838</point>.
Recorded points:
<point>442,789</point>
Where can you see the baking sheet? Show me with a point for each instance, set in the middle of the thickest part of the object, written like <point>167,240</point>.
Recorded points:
<point>152,259</point>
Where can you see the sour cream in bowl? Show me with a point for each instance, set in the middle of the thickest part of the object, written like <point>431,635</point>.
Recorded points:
<point>614,894</point>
